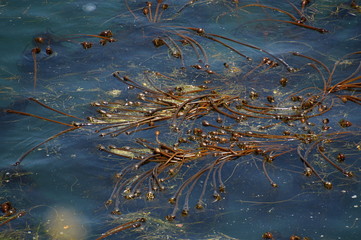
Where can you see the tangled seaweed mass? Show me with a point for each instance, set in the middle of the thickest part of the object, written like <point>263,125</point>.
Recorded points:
<point>223,102</point>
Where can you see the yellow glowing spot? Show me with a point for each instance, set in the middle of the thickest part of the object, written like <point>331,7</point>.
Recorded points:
<point>65,224</point>
<point>235,70</point>
<point>114,93</point>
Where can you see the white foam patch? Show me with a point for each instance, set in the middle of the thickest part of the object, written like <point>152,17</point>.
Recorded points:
<point>89,7</point>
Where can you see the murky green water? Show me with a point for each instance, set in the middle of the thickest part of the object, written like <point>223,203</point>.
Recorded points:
<point>63,185</point>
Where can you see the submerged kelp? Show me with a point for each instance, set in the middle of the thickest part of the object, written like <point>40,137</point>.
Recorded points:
<point>198,113</point>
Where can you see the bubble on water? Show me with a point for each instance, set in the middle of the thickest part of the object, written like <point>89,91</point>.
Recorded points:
<point>89,7</point>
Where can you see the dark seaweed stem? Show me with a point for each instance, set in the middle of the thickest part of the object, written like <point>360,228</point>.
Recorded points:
<point>128,225</point>
<point>147,10</point>
<point>346,85</point>
<point>273,184</point>
<point>104,38</point>
<point>72,126</point>
<point>174,49</point>
<point>164,155</point>
<point>154,179</point>
<point>19,161</point>
<point>299,24</point>
<point>130,82</point>
<point>127,129</point>
<point>175,199</point>
<point>185,210</point>
<point>317,100</point>
<point>140,129</point>
<point>238,134</point>
<point>168,102</point>
<point>55,110</point>
<point>346,173</point>
<point>301,112</point>
<point>11,218</point>
<point>309,168</point>
<point>216,195</point>
<point>295,21</point>
<point>266,112</point>
<point>349,83</point>
<point>194,44</point>
<point>117,192</point>
<point>121,152</point>
<point>264,61</point>
<point>228,46</point>
<point>312,101</point>
<point>330,78</point>
<point>221,186</point>
<point>299,12</point>
<point>133,190</point>
<point>146,74</point>
<point>158,15</point>
<point>119,184</point>
<point>189,3</point>
<point>200,203</point>
<point>226,155</point>
<point>36,116</point>
<point>201,32</point>
<point>106,35</point>
<point>322,77</point>
<point>126,126</point>
<point>187,102</point>
<point>210,168</point>
<point>202,108</point>
<point>304,3</point>
<point>129,9</point>
<point>243,115</point>
<point>34,52</point>
<point>314,60</point>
<point>272,8</point>
<point>352,98</point>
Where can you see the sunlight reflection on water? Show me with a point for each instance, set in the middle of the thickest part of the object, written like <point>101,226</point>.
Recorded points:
<point>89,7</point>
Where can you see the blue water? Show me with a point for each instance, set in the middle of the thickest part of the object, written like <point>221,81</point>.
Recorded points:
<point>63,185</point>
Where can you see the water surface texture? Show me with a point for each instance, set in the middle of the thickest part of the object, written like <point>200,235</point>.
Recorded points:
<point>206,119</point>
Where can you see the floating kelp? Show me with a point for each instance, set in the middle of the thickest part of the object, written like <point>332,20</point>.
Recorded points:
<point>128,225</point>
<point>182,41</point>
<point>8,176</point>
<point>185,133</point>
<point>9,213</point>
<point>227,140</point>
<point>222,133</point>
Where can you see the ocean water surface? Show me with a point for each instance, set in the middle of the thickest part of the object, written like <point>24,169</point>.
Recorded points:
<point>222,50</point>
